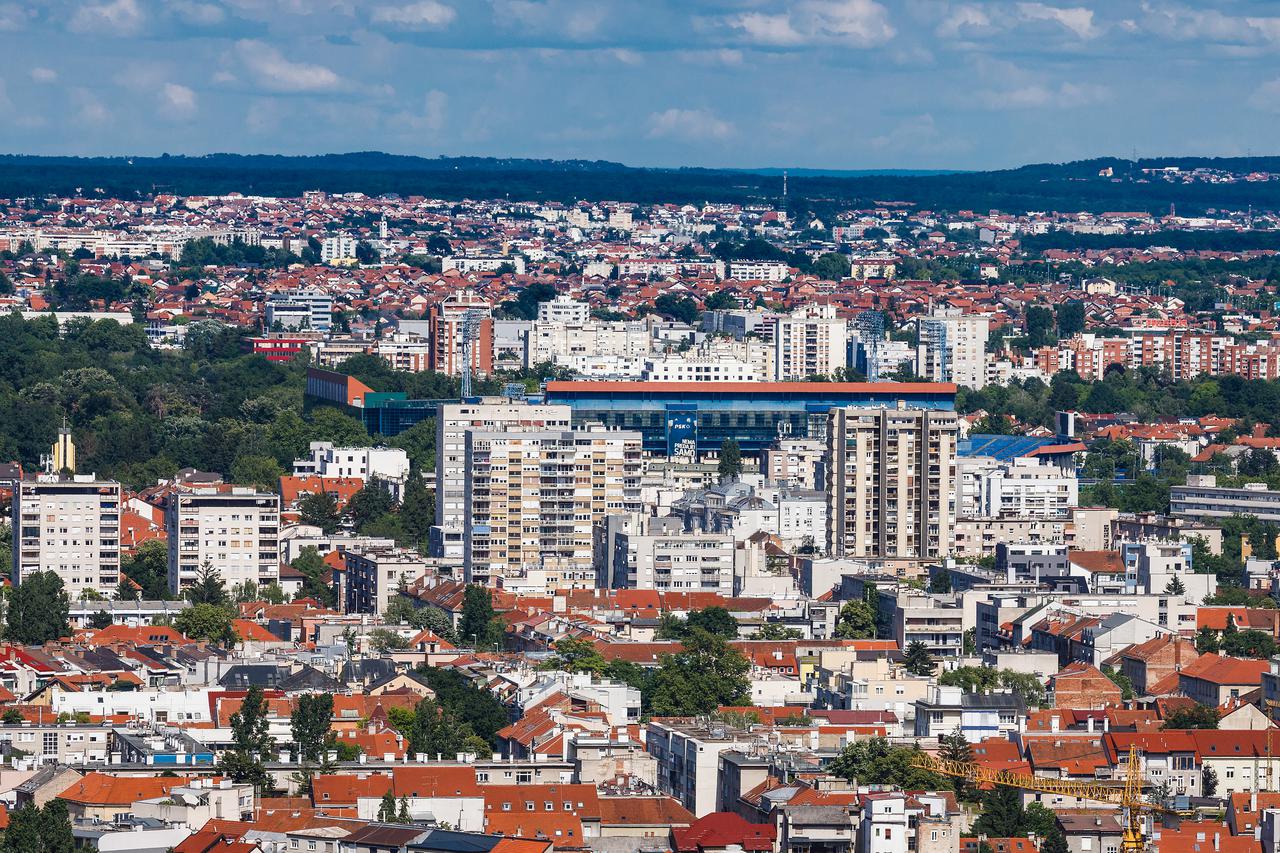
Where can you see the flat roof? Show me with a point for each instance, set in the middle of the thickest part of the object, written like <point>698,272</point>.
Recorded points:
<point>886,388</point>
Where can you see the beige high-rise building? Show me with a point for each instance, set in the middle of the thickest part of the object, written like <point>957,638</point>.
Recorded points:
<point>813,341</point>
<point>890,482</point>
<point>953,348</point>
<point>491,414</point>
<point>531,499</point>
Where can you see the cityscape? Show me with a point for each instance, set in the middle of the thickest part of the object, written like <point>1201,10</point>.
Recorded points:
<point>563,480</point>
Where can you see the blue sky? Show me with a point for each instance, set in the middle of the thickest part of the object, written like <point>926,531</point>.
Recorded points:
<point>808,83</point>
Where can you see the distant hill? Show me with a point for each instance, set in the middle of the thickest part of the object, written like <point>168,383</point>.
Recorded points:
<point>1046,186</point>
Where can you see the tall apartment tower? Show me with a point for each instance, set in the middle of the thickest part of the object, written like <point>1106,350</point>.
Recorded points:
<point>532,499</point>
<point>890,481</point>
<point>68,524</point>
<point>952,347</point>
<point>813,341</point>
<point>234,530</point>
<point>447,327</point>
<point>452,423</point>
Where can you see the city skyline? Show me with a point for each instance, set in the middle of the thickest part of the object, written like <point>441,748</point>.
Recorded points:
<point>825,84</point>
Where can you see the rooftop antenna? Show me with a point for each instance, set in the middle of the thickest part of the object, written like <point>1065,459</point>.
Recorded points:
<point>784,189</point>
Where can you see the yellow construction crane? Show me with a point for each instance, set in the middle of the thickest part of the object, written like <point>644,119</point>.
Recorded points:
<point>1129,797</point>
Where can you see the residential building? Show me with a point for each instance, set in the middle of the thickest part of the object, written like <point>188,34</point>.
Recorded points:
<point>952,348</point>
<point>69,525</point>
<point>449,324</point>
<point>370,576</point>
<point>388,464</point>
<point>564,309</point>
<point>453,422</point>
<point>813,341</point>
<point>890,479</point>
<point>300,309</point>
<point>530,500</point>
<point>661,555</point>
<point>1202,498</point>
<point>234,530</point>
<point>977,715</point>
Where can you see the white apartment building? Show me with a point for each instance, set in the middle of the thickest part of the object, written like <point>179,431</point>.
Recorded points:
<point>485,264</point>
<point>952,347</point>
<point>1027,488</point>
<point>404,351</point>
<point>235,530</point>
<point>794,461</point>
<point>453,421</point>
<point>306,308</point>
<point>561,343</point>
<point>698,368</point>
<point>890,482</point>
<point>759,271</point>
<point>531,499</point>
<point>337,249</point>
<point>564,309</point>
<point>812,341</point>
<point>657,553</point>
<point>69,526</point>
<point>370,575</point>
<point>389,464</point>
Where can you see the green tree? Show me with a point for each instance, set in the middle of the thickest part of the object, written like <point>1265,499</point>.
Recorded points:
<point>875,761</point>
<point>730,465</point>
<point>956,747</point>
<point>1249,644</point>
<point>387,807</point>
<point>454,692</point>
<point>479,623</point>
<point>940,582</point>
<point>310,725</point>
<point>38,610</point>
<point>706,674</point>
<point>1055,842</point>
<point>385,640</point>
<point>370,504</point>
<point>1040,326</point>
<point>917,659</point>
<point>1120,680</point>
<point>1175,587</point>
<point>856,621</point>
<point>320,510</point>
<point>12,717</point>
<point>575,654</point>
<point>1039,819</point>
<point>1207,640</point>
<point>148,567</point>
<point>714,620</point>
<point>210,622</point>
<point>1195,717</point>
<point>316,576</point>
<point>100,620</point>
<point>208,587</point>
<point>1001,815</point>
<point>1208,781</point>
<point>1070,316</point>
<point>417,511</point>
<point>257,470</point>
<point>831,266</point>
<point>777,631</point>
<point>251,744</point>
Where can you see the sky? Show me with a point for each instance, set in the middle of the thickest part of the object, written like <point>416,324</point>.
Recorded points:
<point>830,84</point>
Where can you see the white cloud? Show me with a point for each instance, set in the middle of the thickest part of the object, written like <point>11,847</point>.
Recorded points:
<point>696,125</point>
<point>768,29</point>
<point>963,21</point>
<point>1267,97</point>
<point>857,23</point>
<point>908,134</point>
<point>177,101</point>
<point>578,21</point>
<point>1076,18</point>
<point>1188,23</point>
<point>199,14</point>
<point>273,71</point>
<point>43,75</point>
<point>433,117</point>
<point>12,17</point>
<point>89,110</point>
<point>263,115</point>
<point>117,17</point>
<point>426,14</point>
<point>1034,95</point>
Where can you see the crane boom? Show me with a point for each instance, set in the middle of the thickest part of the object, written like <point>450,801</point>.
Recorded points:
<point>1128,796</point>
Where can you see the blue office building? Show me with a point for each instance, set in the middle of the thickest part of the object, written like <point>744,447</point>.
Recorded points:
<point>680,415</point>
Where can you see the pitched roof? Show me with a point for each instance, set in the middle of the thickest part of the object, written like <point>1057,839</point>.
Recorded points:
<point>102,789</point>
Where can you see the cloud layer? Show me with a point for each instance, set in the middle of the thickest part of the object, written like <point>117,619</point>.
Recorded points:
<point>814,83</point>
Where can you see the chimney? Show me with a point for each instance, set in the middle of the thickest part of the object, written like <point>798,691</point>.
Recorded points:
<point>1053,723</point>
<point>1217,841</point>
